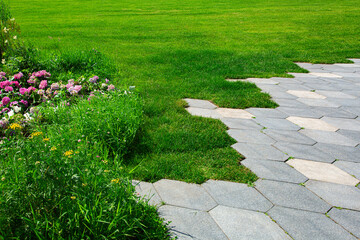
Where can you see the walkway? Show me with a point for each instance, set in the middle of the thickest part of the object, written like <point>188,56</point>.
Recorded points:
<point>305,152</point>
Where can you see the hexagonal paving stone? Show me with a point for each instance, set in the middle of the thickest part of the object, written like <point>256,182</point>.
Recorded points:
<point>250,136</point>
<point>197,103</point>
<point>334,112</point>
<point>234,113</point>
<point>335,94</point>
<point>259,151</point>
<point>191,224</point>
<point>292,196</point>
<point>237,123</point>
<point>266,112</point>
<point>351,168</point>
<point>274,170</point>
<point>323,172</point>
<point>341,123</point>
<point>340,152</point>
<point>312,123</point>
<point>202,112</point>
<point>277,123</point>
<point>300,112</point>
<point>326,75</point>
<point>308,225</point>
<point>289,136</point>
<point>148,192</point>
<point>306,94</point>
<point>350,220</point>
<point>354,135</point>
<point>329,137</point>
<point>338,195</point>
<point>318,102</point>
<point>237,195</point>
<point>184,195</point>
<point>240,224</point>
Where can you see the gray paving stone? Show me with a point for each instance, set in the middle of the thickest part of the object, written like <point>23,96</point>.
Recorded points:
<point>329,137</point>
<point>350,220</point>
<point>184,195</point>
<point>274,170</point>
<point>345,102</point>
<point>237,195</point>
<point>308,225</point>
<point>338,195</point>
<point>293,103</point>
<point>200,103</point>
<point>339,152</point>
<point>341,123</point>
<point>354,135</point>
<point>318,102</point>
<point>319,86</point>
<point>353,110</point>
<point>335,94</point>
<point>277,123</point>
<point>333,112</point>
<point>148,192</point>
<point>350,167</point>
<point>300,112</point>
<point>250,136</point>
<point>304,152</point>
<point>191,224</point>
<point>289,136</point>
<point>202,112</point>
<point>294,86</point>
<point>240,224</point>
<point>292,196</point>
<point>266,113</point>
<point>260,151</point>
<point>236,123</point>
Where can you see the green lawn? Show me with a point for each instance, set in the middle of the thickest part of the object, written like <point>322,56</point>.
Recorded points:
<point>175,49</point>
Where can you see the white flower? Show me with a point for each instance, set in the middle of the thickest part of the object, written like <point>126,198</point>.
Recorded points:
<point>5,30</point>
<point>11,113</point>
<point>13,19</point>
<point>3,61</point>
<point>15,37</point>
<point>27,116</point>
<point>17,109</point>
<point>6,41</point>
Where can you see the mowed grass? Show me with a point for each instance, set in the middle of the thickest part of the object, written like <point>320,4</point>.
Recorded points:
<point>175,49</point>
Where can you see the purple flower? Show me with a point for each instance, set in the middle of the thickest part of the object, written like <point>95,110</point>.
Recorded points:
<point>5,101</point>
<point>77,88</point>
<point>43,84</point>
<point>18,76</point>
<point>107,80</point>
<point>24,102</point>
<point>2,74</point>
<point>55,86</point>
<point>41,92</point>
<point>9,89</point>
<point>71,81</point>
<point>5,110</point>
<point>94,79</point>
<point>13,103</point>
<point>4,123</point>
<point>23,91</point>
<point>111,87</point>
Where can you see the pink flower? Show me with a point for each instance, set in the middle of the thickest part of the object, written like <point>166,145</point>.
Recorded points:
<point>4,84</point>
<point>107,80</point>
<point>5,110</point>
<point>94,79</point>
<point>13,103</point>
<point>24,102</point>
<point>69,85</point>
<point>54,86</point>
<point>2,74</point>
<point>111,87</point>
<point>41,92</point>
<point>23,91</point>
<point>71,81</point>
<point>43,84</point>
<point>16,83</point>
<point>9,89</point>
<point>31,89</point>
<point>18,76</point>
<point>77,88</point>
<point>5,101</point>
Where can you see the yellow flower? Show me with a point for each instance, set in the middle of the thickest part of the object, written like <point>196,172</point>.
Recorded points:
<point>73,197</point>
<point>76,152</point>
<point>37,162</point>
<point>15,126</point>
<point>116,180</point>
<point>35,134</point>
<point>69,153</point>
<point>46,139</point>
<point>53,149</point>
<point>84,184</point>
<point>106,170</point>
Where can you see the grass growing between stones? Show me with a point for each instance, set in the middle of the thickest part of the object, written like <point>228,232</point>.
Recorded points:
<point>176,49</point>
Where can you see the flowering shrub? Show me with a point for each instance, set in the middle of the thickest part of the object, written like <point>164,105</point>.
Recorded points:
<point>19,95</point>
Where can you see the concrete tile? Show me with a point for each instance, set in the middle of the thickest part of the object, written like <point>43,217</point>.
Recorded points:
<point>300,112</point>
<point>354,135</point>
<point>147,191</point>
<point>304,225</point>
<point>306,94</point>
<point>340,152</point>
<point>351,168</point>
<point>338,195</point>
<point>236,123</point>
<point>250,136</point>
<point>191,224</point>
<point>292,196</point>
<point>318,102</point>
<point>234,113</point>
<point>183,194</point>
<point>333,112</point>
<point>289,136</point>
<point>202,112</point>
<point>262,81</point>
<point>329,137</point>
<point>274,170</point>
<point>356,75</point>
<point>335,94</point>
<point>321,86</point>
<point>237,195</point>
<point>345,102</point>
<point>350,220</point>
<point>304,152</point>
<point>295,86</point>
<point>302,75</point>
<point>276,123</point>
<point>240,224</point>
<point>267,113</point>
<point>327,75</point>
<point>322,172</point>
<point>341,123</point>
<point>197,103</point>
<point>353,110</point>
<point>312,123</point>
<point>259,151</point>
<point>289,103</point>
